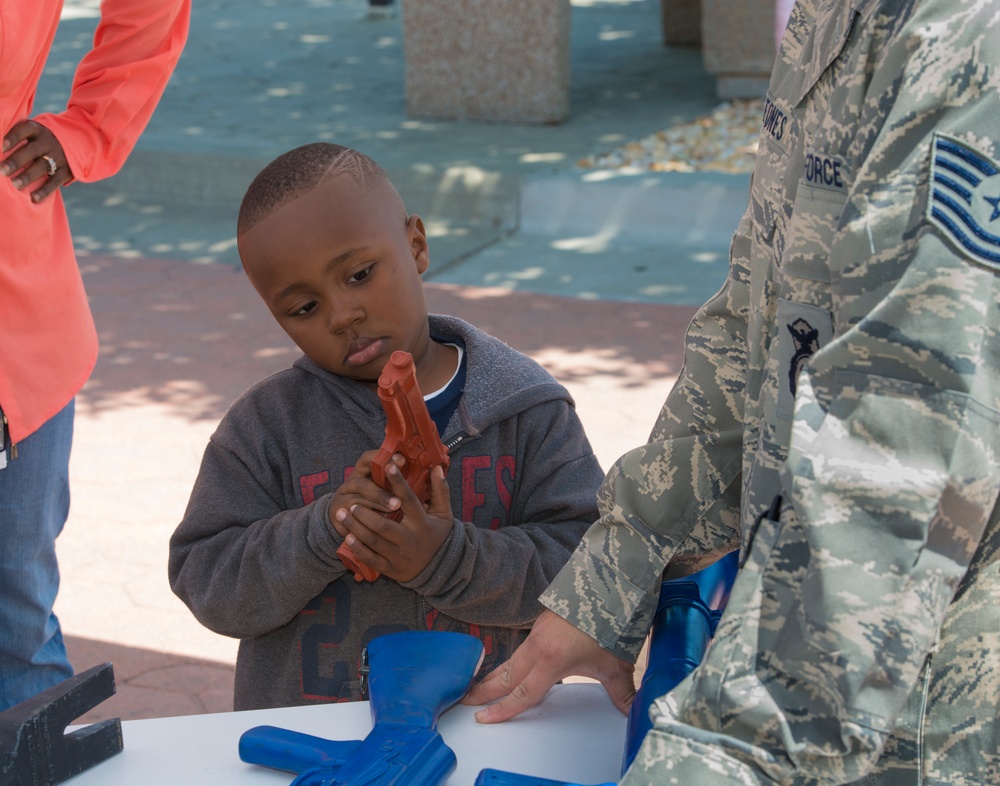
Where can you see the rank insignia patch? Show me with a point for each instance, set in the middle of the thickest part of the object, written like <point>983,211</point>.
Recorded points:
<point>965,199</point>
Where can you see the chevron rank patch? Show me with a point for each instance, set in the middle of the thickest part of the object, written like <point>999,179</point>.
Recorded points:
<point>965,199</point>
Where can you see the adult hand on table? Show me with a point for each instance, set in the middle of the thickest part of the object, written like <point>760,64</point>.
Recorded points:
<point>37,157</point>
<point>554,649</point>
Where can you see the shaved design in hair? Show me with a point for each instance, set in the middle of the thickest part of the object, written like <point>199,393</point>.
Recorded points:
<point>298,171</point>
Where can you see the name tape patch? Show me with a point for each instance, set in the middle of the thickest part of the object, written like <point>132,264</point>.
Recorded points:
<point>775,122</point>
<point>965,199</point>
<point>825,171</point>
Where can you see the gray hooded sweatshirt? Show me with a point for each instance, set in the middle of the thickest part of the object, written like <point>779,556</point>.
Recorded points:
<point>255,555</point>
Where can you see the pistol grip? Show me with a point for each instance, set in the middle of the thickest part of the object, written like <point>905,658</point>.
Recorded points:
<point>361,571</point>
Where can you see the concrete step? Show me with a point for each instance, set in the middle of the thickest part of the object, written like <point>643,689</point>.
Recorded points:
<point>654,237</point>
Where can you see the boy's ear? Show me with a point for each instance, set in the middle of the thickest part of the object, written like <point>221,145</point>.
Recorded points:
<point>417,237</point>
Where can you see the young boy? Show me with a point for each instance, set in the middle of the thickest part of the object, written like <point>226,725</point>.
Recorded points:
<point>327,243</point>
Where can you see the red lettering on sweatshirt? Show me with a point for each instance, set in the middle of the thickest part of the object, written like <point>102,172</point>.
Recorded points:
<point>476,472</point>
<point>505,483</point>
<point>309,483</point>
<point>471,498</point>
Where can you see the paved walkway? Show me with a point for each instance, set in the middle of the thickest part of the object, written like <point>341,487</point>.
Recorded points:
<point>594,274</point>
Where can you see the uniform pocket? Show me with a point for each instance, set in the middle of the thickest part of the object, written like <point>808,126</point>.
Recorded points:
<point>803,322</point>
<point>833,28</point>
<point>815,219</point>
<point>897,491</point>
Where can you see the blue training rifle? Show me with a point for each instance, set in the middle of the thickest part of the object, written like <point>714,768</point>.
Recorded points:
<point>413,678</point>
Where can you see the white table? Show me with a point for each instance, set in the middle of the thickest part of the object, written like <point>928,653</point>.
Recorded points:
<point>575,735</point>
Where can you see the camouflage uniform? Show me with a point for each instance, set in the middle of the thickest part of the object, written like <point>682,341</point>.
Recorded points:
<point>850,365</point>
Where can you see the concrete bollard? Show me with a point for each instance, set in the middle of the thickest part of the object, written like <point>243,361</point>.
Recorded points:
<point>505,61</point>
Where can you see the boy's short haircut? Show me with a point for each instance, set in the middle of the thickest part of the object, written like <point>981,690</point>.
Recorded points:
<point>300,170</point>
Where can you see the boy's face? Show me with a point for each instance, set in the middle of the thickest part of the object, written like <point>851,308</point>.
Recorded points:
<point>339,268</point>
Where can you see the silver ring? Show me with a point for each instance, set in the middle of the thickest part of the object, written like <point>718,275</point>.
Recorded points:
<point>53,166</point>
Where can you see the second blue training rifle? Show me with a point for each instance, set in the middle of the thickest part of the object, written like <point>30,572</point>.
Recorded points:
<point>686,617</point>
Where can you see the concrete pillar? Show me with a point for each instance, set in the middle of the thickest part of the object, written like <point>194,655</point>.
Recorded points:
<point>487,60</point>
<point>681,22</point>
<point>738,45</point>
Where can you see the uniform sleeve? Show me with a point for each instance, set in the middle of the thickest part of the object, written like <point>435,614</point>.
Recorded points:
<point>494,576</point>
<point>119,83</point>
<point>893,472</point>
<point>675,498</point>
<point>242,560</point>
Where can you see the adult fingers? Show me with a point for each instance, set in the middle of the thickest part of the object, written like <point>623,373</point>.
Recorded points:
<point>534,667</point>
<point>518,694</point>
<point>50,185</point>
<point>553,650</point>
<point>499,682</point>
<point>24,130</point>
<point>522,693</point>
<point>36,157</point>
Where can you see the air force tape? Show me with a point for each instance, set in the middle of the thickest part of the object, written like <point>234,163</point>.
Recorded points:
<point>965,199</point>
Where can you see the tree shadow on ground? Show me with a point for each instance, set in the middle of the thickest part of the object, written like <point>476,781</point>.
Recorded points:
<point>194,337</point>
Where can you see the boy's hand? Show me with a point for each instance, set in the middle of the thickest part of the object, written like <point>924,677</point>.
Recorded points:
<point>360,489</point>
<point>401,549</point>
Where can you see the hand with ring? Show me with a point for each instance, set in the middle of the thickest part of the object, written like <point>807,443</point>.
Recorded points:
<point>35,155</point>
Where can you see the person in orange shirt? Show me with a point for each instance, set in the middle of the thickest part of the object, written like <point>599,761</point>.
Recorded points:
<point>48,343</point>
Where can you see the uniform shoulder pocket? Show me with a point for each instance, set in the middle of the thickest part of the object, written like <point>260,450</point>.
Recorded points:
<point>831,32</point>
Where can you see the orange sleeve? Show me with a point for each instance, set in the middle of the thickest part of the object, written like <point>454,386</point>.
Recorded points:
<point>118,83</point>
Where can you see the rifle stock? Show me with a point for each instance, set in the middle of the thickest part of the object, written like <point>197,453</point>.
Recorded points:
<point>414,677</point>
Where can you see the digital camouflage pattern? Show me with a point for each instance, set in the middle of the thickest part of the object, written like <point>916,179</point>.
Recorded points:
<point>850,365</point>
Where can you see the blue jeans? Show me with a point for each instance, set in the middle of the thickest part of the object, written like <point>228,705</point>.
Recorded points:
<point>34,504</point>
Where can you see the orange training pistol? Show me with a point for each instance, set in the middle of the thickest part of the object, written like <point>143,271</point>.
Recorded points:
<point>410,431</point>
